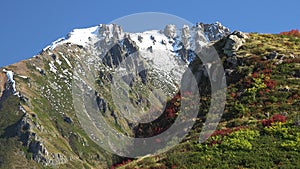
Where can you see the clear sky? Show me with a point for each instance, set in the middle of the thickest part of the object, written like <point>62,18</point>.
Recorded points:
<point>26,27</point>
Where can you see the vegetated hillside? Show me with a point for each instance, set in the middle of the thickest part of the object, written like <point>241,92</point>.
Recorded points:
<point>260,127</point>
<point>39,128</point>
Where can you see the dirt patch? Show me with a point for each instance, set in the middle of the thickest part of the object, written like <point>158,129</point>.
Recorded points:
<point>3,80</point>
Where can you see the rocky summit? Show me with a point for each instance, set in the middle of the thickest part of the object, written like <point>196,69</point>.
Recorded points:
<point>130,78</point>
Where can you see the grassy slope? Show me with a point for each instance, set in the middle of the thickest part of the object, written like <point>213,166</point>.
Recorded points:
<point>47,107</point>
<point>255,94</point>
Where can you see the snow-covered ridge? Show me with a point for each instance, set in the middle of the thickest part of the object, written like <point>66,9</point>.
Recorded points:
<point>77,36</point>
<point>89,36</point>
<point>162,49</point>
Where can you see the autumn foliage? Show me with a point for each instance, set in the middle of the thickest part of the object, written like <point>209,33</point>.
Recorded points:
<point>293,32</point>
<point>222,133</point>
<point>275,118</point>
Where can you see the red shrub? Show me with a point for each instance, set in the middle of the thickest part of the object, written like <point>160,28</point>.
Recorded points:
<point>279,118</point>
<point>271,84</point>
<point>225,132</point>
<point>293,32</point>
<point>275,118</point>
<point>255,75</point>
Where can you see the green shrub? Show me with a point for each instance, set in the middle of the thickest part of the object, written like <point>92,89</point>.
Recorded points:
<point>240,109</point>
<point>237,144</point>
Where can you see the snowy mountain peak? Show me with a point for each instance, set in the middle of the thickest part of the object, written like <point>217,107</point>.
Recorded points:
<point>166,52</point>
<point>113,33</point>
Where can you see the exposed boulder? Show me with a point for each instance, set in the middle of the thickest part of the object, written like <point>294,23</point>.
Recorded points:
<point>272,55</point>
<point>233,43</point>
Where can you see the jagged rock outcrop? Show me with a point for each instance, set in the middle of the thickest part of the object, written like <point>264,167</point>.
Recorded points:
<point>27,129</point>
<point>117,53</point>
<point>233,42</point>
<point>185,36</point>
<point>170,31</point>
<point>42,156</point>
<point>214,31</point>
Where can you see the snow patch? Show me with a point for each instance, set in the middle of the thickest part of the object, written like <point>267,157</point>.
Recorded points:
<point>10,78</point>
<point>80,37</point>
<point>52,67</point>
<point>66,59</point>
<point>21,108</point>
<point>58,62</point>
<point>23,77</point>
<point>38,69</point>
<point>54,44</point>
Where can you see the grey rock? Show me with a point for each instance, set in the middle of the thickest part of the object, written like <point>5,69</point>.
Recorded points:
<point>170,31</point>
<point>185,36</point>
<point>272,55</point>
<point>140,38</point>
<point>101,104</point>
<point>233,43</point>
<point>42,156</point>
<point>25,130</point>
<point>214,31</point>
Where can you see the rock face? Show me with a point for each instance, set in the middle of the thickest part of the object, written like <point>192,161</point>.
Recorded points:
<point>42,156</point>
<point>185,36</point>
<point>234,42</point>
<point>214,31</point>
<point>170,31</point>
<point>26,131</point>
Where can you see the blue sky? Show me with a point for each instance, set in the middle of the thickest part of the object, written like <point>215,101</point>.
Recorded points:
<point>26,27</point>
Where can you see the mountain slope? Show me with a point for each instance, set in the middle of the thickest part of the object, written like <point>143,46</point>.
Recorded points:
<point>260,124</point>
<point>36,102</point>
<point>41,127</point>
